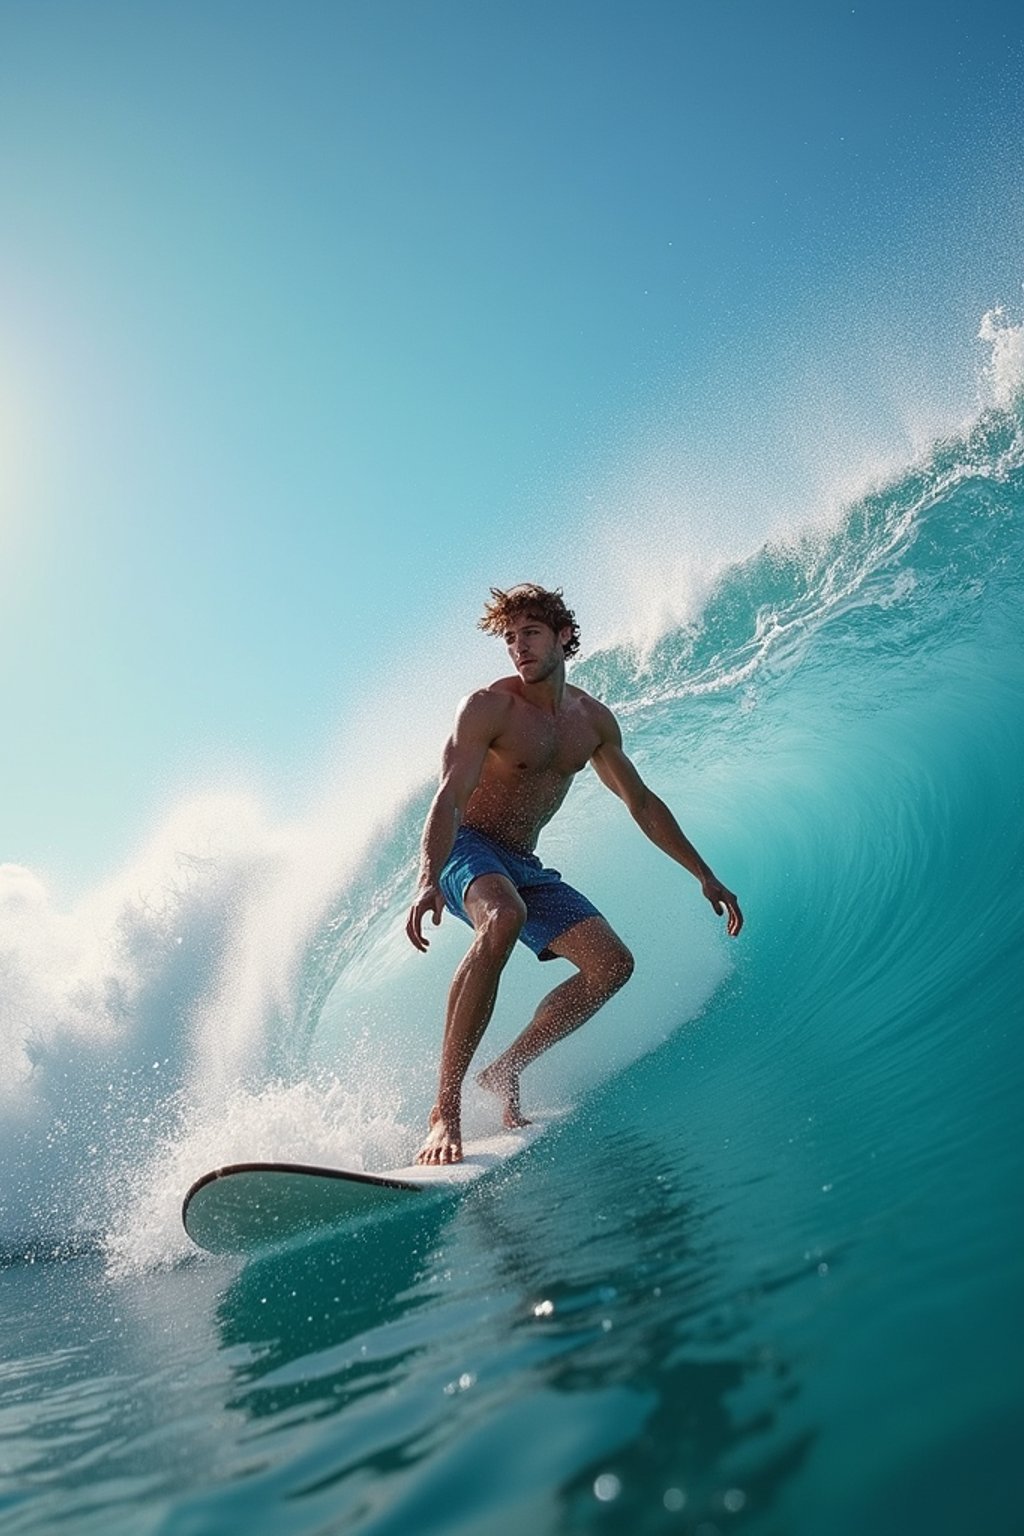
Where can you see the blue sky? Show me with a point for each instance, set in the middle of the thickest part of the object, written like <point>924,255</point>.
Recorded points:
<point>318,318</point>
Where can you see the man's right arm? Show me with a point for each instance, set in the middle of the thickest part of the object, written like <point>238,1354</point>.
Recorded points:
<point>477,725</point>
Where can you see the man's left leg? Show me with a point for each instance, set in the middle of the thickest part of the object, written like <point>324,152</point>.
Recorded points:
<point>604,964</point>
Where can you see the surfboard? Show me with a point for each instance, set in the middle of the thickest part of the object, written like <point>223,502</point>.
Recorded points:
<point>245,1207</point>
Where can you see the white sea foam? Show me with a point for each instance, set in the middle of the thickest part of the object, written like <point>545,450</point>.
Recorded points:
<point>318,1121</point>
<point>1004,372</point>
<point>97,1000</point>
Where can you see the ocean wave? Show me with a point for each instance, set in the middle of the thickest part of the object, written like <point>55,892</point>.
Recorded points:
<point>825,723</point>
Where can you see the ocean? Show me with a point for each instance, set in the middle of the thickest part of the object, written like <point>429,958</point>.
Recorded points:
<point>764,1272</point>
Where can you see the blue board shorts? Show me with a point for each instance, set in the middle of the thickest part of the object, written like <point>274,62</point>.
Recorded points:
<point>552,907</point>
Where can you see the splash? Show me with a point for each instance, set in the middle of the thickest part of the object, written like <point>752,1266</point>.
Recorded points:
<point>319,1121</point>
<point>1004,372</point>
<point>98,1005</point>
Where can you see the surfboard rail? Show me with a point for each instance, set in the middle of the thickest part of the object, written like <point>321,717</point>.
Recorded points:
<point>243,1207</point>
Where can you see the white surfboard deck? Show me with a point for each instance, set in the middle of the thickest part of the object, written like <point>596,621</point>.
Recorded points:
<point>244,1207</point>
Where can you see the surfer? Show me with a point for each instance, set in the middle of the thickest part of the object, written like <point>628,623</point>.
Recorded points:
<point>507,767</point>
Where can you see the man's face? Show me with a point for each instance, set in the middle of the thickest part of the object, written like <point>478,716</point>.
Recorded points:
<point>534,648</point>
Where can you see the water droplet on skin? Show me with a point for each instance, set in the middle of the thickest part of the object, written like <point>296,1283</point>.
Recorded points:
<point>544,1309</point>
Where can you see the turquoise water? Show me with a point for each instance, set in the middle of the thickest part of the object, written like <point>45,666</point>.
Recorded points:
<point>763,1275</point>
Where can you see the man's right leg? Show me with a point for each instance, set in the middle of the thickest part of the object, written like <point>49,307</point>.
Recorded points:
<point>497,912</point>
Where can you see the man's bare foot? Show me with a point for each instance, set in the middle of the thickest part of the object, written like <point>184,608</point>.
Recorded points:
<point>444,1141</point>
<point>506,1085</point>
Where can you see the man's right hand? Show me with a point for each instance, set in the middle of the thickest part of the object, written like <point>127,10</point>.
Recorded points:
<point>428,899</point>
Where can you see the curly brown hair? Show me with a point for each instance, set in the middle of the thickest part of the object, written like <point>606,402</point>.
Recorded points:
<point>537,603</point>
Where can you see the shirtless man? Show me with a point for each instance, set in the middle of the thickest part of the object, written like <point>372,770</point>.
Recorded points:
<point>507,767</point>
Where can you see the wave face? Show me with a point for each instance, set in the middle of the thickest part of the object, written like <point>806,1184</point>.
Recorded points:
<point>774,1249</point>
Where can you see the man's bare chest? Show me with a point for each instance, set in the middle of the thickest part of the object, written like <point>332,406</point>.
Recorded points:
<point>536,743</point>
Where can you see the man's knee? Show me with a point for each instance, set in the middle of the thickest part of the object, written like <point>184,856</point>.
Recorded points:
<point>612,968</point>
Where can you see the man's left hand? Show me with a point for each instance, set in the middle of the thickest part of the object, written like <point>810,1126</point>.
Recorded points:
<point>721,900</point>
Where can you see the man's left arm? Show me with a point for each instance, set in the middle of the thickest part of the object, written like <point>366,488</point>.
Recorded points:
<point>656,821</point>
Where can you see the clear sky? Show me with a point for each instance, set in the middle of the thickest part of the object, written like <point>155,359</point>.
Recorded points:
<point>317,318</point>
